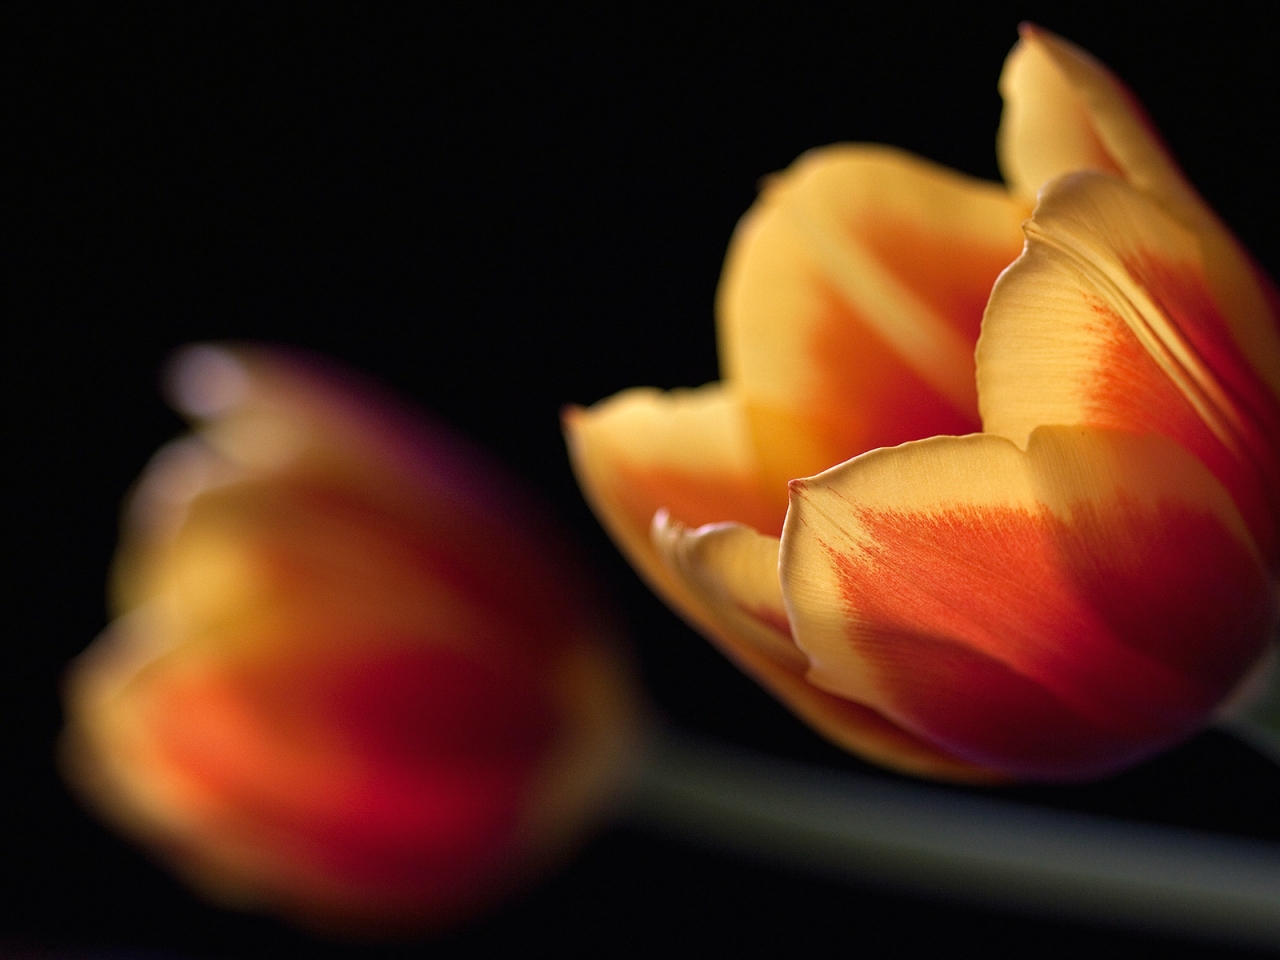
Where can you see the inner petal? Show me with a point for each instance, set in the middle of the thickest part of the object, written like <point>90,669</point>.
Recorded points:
<point>851,301</point>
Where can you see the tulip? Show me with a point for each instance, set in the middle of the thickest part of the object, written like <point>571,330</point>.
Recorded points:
<point>354,678</point>
<point>1045,552</point>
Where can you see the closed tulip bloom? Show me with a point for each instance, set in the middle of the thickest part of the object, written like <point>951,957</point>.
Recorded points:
<point>974,533</point>
<point>354,677</point>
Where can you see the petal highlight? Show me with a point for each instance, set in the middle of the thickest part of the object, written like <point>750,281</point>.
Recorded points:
<point>1108,319</point>
<point>1054,614</point>
<point>850,304</point>
<point>1066,112</point>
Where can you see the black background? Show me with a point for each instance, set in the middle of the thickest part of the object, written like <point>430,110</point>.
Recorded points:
<point>496,213</point>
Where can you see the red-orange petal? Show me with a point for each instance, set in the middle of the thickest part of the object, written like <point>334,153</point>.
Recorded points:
<point>850,304</point>
<point>1056,614</point>
<point>368,784</point>
<point>1108,320</point>
<point>733,572</point>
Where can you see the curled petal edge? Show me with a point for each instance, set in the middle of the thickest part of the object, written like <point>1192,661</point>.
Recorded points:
<point>939,583</point>
<point>733,570</point>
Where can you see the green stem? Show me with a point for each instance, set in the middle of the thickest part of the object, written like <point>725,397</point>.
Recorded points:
<point>941,842</point>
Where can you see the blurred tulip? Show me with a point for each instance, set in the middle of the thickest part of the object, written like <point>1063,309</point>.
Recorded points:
<point>1047,563</point>
<point>355,678</point>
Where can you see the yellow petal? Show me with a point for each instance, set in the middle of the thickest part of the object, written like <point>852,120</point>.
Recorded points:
<point>732,571</point>
<point>1056,613</point>
<point>1108,319</point>
<point>687,452</point>
<point>851,300</point>
<point>1064,112</point>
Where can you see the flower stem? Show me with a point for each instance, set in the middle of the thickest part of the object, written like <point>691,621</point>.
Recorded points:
<point>940,842</point>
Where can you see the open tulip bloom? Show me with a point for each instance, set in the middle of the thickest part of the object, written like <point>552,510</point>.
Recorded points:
<point>989,488</point>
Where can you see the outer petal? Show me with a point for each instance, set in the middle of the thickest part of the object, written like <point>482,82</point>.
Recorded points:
<point>653,465</point>
<point>851,300</point>
<point>1107,319</point>
<point>733,571</point>
<point>1065,112</point>
<point>688,453</point>
<point>1052,614</point>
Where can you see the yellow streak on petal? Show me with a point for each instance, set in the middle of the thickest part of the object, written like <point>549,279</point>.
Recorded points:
<point>935,350</point>
<point>834,241</point>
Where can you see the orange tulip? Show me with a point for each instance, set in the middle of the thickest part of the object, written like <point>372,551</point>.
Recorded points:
<point>1047,562</point>
<point>354,677</point>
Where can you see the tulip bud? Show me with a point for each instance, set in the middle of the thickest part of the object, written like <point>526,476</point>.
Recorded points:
<point>354,677</point>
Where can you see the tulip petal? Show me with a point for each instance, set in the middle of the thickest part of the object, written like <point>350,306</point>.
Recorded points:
<point>653,465</point>
<point>687,452</point>
<point>733,571</point>
<point>1107,320</point>
<point>1065,112</point>
<point>1056,613</point>
<point>851,300</point>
